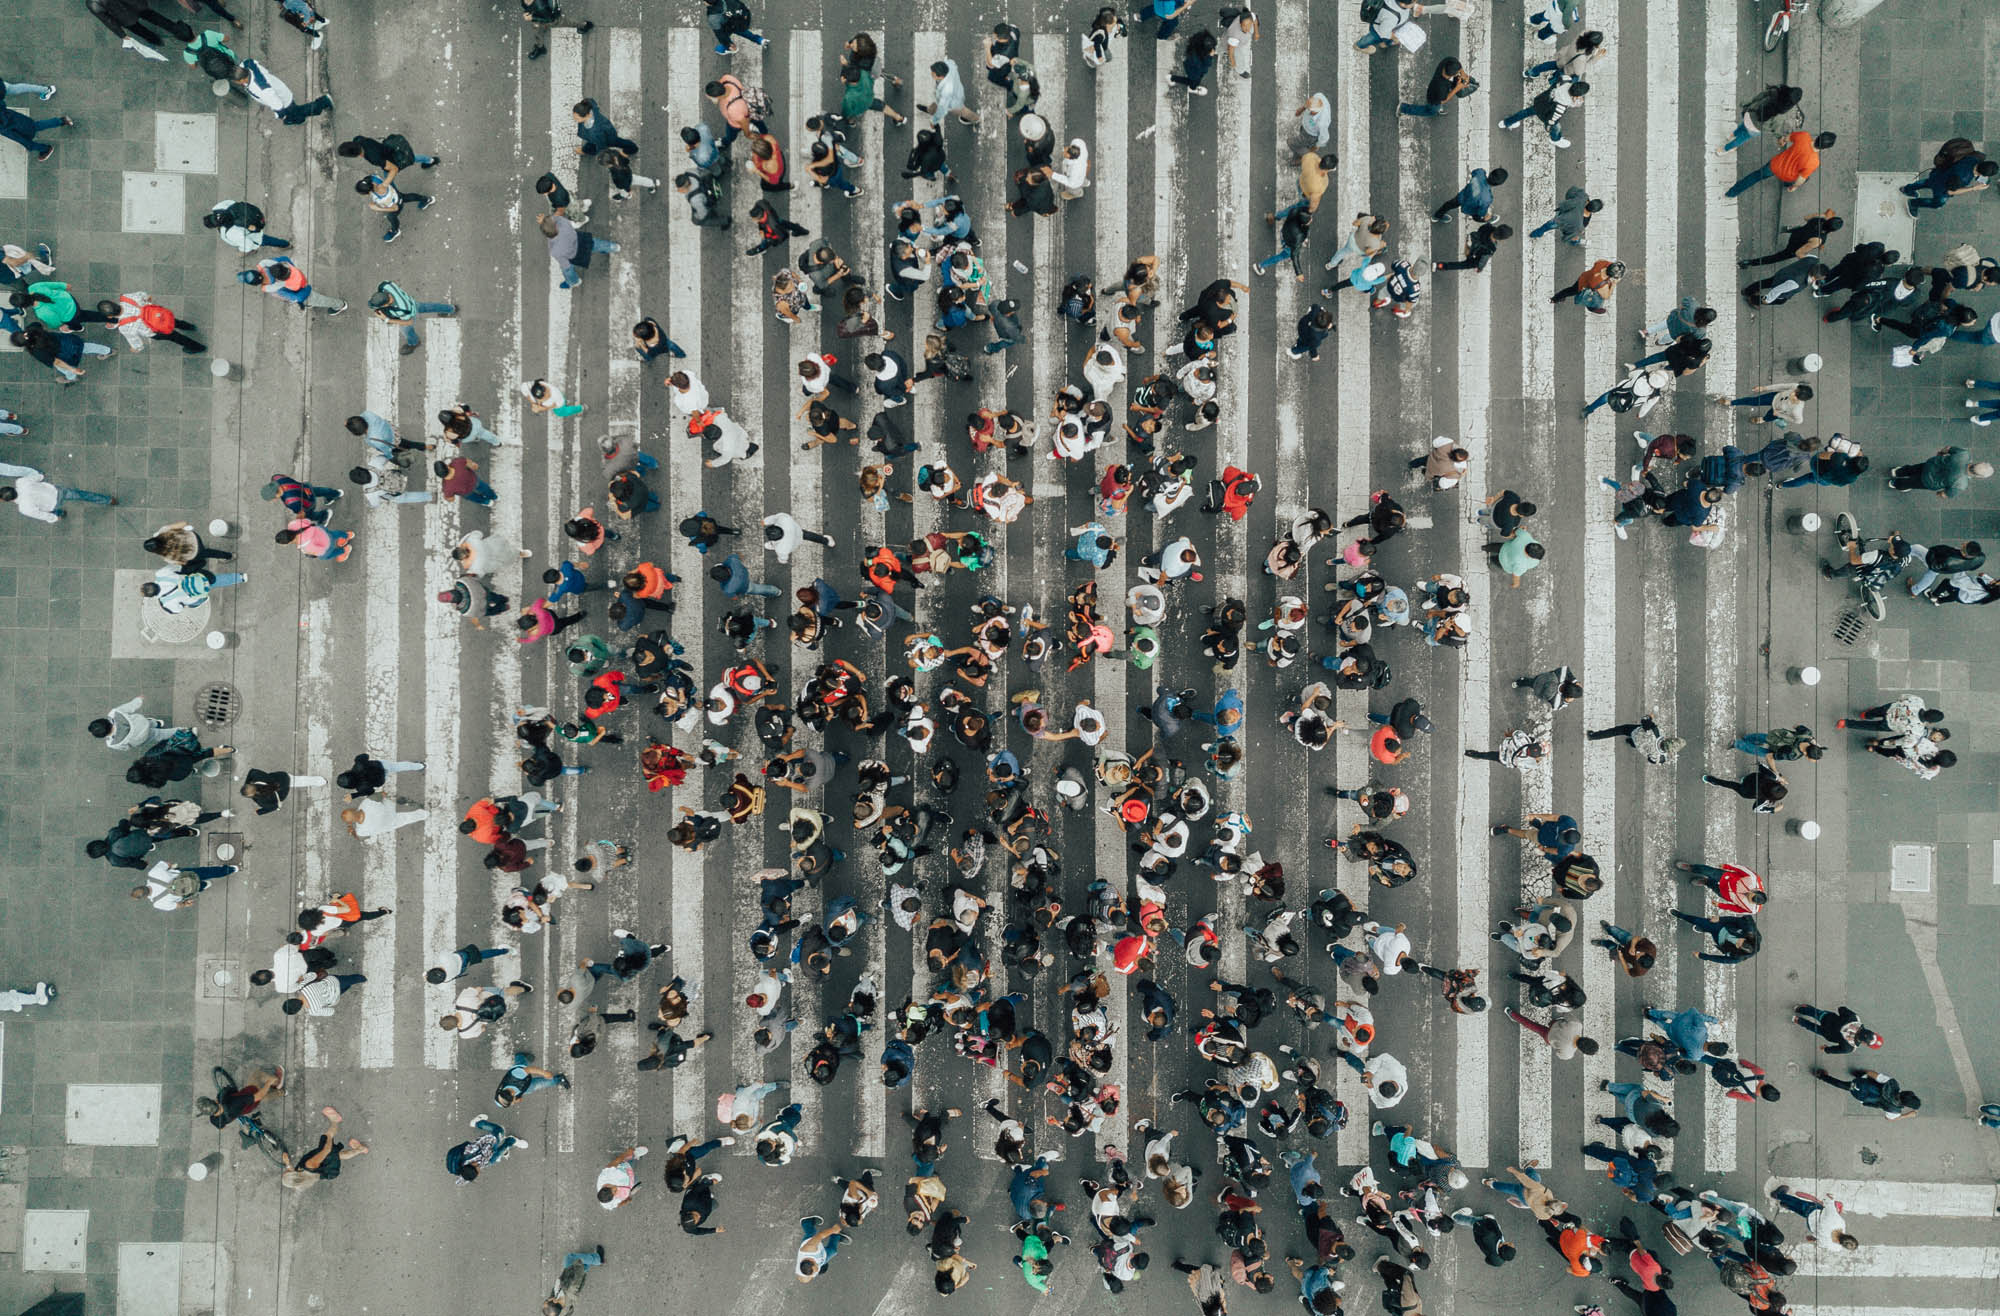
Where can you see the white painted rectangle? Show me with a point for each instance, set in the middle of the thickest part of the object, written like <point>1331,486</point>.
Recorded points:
<point>1882,212</point>
<point>149,1279</point>
<point>54,1241</point>
<point>184,143</point>
<point>154,203</point>
<point>13,174</point>
<point>112,1114</point>
<point>1910,868</point>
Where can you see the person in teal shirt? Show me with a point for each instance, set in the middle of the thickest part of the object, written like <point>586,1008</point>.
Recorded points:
<point>1517,554</point>
<point>1034,1262</point>
<point>55,306</point>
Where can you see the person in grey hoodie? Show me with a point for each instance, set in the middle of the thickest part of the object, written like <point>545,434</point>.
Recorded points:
<point>1572,216</point>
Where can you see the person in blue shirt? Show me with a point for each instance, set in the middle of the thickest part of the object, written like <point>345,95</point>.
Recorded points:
<point>1475,199</point>
<point>1971,172</point>
<point>1687,1030</point>
<point>1556,833</point>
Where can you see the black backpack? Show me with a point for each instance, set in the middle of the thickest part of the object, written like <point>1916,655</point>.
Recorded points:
<point>1372,10</point>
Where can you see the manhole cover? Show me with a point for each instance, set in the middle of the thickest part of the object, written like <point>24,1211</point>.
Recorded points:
<point>215,704</point>
<point>158,627</point>
<point>1852,626</point>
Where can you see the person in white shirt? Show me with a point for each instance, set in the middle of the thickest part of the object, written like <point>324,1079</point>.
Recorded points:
<point>481,554</point>
<point>689,393</point>
<point>474,1008</point>
<point>1823,1217</point>
<point>1072,173</point>
<point>783,535</point>
<point>35,496</point>
<point>617,1181</point>
<point>371,817</point>
<point>169,888</point>
<point>1390,946</point>
<point>732,443</point>
<point>241,225</point>
<point>254,81</point>
<point>317,997</point>
<point>178,592</point>
<point>1387,1081</point>
<point>125,727</point>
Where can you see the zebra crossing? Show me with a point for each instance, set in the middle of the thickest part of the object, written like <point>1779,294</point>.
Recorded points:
<point>1486,360</point>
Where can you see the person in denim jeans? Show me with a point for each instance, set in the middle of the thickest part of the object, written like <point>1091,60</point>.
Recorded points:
<point>523,1079</point>
<point>466,1159</point>
<point>576,1270</point>
<point>734,579</point>
<point>391,303</point>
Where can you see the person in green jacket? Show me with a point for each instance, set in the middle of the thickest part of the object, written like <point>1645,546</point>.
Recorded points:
<point>858,97</point>
<point>1034,1263</point>
<point>1946,472</point>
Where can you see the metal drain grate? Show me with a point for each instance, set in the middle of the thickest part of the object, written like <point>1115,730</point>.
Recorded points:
<point>216,704</point>
<point>1851,627</point>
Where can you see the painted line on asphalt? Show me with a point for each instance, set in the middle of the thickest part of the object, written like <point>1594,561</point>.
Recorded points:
<point>380,532</point>
<point>443,355</point>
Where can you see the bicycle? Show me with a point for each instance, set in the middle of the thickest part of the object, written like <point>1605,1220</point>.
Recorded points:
<point>1781,22</point>
<point>248,1126</point>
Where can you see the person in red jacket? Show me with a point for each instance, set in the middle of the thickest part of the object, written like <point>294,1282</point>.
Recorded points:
<point>1232,493</point>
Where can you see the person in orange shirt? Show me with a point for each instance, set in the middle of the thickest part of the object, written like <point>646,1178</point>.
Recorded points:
<point>1582,1249</point>
<point>1791,166</point>
<point>482,822</point>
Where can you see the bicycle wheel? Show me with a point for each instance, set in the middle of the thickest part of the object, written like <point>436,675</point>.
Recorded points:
<point>1775,30</point>
<point>269,1143</point>
<point>224,1081</point>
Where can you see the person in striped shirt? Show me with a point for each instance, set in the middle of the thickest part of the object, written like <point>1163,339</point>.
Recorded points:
<point>176,592</point>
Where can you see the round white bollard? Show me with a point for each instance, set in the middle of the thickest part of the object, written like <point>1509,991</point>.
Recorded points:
<point>221,87</point>
<point>225,852</point>
<point>1809,364</point>
<point>1804,523</point>
<point>1803,675</point>
<point>222,977</point>
<point>197,1172</point>
<point>220,529</point>
<point>1803,828</point>
<point>221,640</point>
<point>219,367</point>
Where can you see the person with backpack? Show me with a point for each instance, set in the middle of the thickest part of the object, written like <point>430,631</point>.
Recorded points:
<point>279,277</point>
<point>730,19</point>
<point>1958,167</point>
<point>545,14</point>
<point>241,225</point>
<point>1550,105</point>
<point>140,318</point>
<point>1385,19</point>
<point>704,195</point>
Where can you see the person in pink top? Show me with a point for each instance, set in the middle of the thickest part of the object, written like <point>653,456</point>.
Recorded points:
<point>315,540</point>
<point>587,531</point>
<point>537,621</point>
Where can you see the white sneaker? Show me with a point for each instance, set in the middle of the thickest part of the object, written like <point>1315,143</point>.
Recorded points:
<point>639,1151</point>
<point>1563,143</point>
<point>620,933</point>
<point>1618,530</point>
